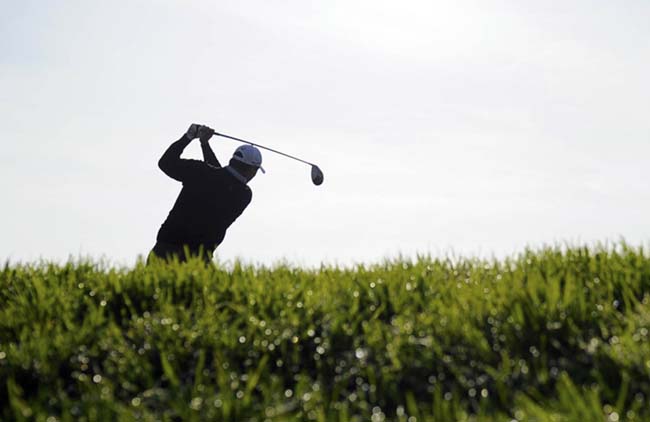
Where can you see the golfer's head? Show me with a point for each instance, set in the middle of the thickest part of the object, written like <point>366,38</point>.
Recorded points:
<point>247,160</point>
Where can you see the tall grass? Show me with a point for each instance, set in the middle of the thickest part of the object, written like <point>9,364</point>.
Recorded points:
<point>551,335</point>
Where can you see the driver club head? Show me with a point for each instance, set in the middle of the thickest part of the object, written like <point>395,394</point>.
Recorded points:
<point>316,175</point>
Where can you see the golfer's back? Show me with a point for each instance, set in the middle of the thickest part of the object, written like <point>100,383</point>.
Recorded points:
<point>206,206</point>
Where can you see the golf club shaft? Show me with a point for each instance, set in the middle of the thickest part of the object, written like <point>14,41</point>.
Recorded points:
<point>263,147</point>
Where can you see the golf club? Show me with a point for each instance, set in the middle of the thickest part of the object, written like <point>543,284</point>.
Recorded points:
<point>316,172</point>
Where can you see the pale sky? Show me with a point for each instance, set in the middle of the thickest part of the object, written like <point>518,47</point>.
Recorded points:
<point>466,127</point>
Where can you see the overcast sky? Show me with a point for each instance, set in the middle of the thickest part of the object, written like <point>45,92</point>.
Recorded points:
<point>473,127</point>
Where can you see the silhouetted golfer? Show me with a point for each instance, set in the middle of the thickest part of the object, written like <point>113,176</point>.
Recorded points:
<point>211,199</point>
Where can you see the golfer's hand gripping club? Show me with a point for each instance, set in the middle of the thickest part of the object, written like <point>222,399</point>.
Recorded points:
<point>193,131</point>
<point>204,133</point>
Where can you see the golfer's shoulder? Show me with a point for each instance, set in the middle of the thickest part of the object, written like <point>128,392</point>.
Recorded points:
<point>199,167</point>
<point>235,187</point>
<point>219,173</point>
<point>247,193</point>
<point>239,193</point>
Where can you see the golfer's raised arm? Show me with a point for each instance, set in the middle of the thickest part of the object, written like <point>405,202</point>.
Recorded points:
<point>208,155</point>
<point>171,162</point>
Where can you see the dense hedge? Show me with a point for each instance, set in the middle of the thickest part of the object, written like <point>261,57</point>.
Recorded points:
<point>549,335</point>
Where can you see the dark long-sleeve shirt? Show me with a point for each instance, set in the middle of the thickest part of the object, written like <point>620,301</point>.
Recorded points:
<point>208,155</point>
<point>210,201</point>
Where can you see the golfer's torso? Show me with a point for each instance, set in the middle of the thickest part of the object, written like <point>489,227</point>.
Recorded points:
<point>205,209</point>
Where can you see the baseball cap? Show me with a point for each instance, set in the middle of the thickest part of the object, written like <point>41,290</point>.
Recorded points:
<point>250,155</point>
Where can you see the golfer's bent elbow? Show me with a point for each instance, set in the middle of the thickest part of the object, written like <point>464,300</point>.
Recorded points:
<point>163,164</point>
<point>170,162</point>
<point>166,164</point>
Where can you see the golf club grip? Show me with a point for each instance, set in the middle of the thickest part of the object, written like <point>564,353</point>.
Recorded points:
<point>262,146</point>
